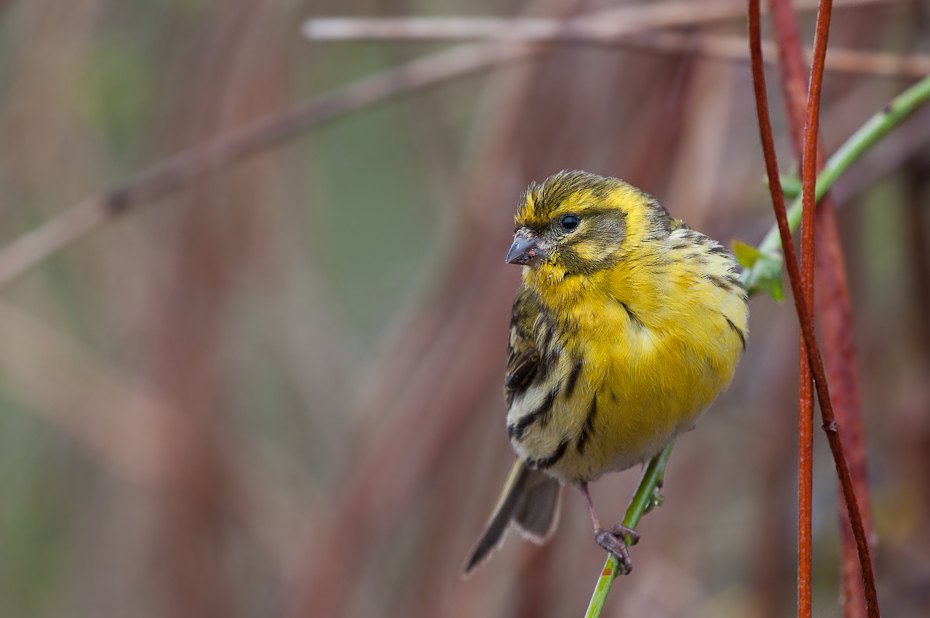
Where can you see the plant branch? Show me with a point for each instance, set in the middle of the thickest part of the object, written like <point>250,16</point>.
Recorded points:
<point>807,262</point>
<point>546,30</point>
<point>180,170</point>
<point>736,48</point>
<point>793,82</point>
<point>184,168</point>
<point>806,396</point>
<point>800,298</point>
<point>604,26</point>
<point>721,47</point>
<point>833,307</point>
<point>643,501</point>
<point>868,135</point>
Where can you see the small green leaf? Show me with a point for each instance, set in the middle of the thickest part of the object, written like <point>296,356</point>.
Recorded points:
<point>745,254</point>
<point>765,276</point>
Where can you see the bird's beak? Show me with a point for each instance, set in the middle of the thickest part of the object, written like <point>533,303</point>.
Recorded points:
<point>525,250</point>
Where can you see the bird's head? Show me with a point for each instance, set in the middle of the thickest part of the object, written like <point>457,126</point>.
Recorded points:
<point>580,233</point>
<point>575,224</point>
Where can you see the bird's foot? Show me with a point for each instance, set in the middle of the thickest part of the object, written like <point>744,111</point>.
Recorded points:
<point>613,542</point>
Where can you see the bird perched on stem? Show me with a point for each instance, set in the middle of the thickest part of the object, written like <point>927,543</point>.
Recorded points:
<point>627,326</point>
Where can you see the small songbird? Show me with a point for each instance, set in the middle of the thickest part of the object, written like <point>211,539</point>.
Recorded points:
<point>627,326</point>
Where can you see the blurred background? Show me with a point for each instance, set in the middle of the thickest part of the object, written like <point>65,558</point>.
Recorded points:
<point>276,391</point>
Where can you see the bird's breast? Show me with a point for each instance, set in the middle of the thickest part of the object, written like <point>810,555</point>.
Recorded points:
<point>614,390</point>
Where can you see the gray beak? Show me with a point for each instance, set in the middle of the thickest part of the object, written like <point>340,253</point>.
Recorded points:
<point>525,250</point>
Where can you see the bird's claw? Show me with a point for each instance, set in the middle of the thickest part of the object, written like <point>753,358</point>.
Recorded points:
<point>622,531</point>
<point>613,542</point>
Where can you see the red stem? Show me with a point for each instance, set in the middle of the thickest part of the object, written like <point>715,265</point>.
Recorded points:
<point>806,404</point>
<point>836,326</point>
<point>798,290</point>
<point>809,180</point>
<point>833,308</point>
<point>793,70</point>
<point>805,483</point>
<point>794,90</point>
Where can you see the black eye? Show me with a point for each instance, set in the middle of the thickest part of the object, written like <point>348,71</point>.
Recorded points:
<point>569,222</point>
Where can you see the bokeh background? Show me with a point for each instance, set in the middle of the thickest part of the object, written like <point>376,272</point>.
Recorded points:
<point>276,391</point>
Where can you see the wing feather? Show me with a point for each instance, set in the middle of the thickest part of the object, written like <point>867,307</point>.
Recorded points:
<point>522,355</point>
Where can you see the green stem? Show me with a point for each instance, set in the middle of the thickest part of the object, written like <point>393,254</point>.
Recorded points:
<point>869,134</point>
<point>643,501</point>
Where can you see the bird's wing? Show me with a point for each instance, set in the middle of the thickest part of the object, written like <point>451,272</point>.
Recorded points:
<point>522,355</point>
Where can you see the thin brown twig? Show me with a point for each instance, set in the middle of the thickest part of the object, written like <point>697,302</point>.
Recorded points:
<point>795,95</point>
<point>805,468</point>
<point>604,26</point>
<point>876,63</point>
<point>805,483</point>
<point>804,316</point>
<point>736,48</point>
<point>836,319</point>
<point>806,395</point>
<point>180,170</point>
<point>836,325</point>
<point>778,196</point>
<point>809,181</point>
<point>809,161</point>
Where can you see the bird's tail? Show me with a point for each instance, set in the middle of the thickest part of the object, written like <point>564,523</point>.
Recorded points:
<point>531,501</point>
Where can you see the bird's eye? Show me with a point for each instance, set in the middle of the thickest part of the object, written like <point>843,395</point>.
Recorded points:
<point>569,222</point>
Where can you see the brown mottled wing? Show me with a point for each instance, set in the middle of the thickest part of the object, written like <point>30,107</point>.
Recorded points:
<point>530,500</point>
<point>522,356</point>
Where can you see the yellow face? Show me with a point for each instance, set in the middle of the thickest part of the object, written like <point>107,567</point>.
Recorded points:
<point>576,226</point>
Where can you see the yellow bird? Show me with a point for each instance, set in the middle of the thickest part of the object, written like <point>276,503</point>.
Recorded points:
<point>627,326</point>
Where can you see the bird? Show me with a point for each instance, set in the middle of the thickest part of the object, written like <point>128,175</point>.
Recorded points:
<point>626,327</point>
